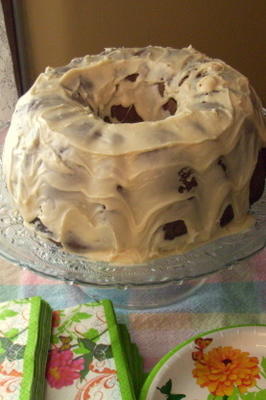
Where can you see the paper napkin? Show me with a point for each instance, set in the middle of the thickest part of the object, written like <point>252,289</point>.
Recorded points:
<point>134,360</point>
<point>87,359</point>
<point>25,327</point>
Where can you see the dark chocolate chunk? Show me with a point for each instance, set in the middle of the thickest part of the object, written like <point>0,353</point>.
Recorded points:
<point>183,80</point>
<point>187,180</point>
<point>222,164</point>
<point>257,181</point>
<point>132,77</point>
<point>201,74</point>
<point>125,114</point>
<point>174,229</point>
<point>40,226</point>
<point>107,119</point>
<point>170,106</point>
<point>119,188</point>
<point>227,216</point>
<point>161,88</point>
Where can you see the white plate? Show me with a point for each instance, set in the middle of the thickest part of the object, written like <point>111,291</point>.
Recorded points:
<point>172,378</point>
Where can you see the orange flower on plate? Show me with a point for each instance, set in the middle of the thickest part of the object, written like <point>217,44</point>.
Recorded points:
<point>224,368</point>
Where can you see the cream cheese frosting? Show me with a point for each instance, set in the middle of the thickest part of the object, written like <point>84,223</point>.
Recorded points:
<point>135,153</point>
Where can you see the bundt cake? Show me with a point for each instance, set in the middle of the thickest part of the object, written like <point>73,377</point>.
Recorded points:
<point>137,153</point>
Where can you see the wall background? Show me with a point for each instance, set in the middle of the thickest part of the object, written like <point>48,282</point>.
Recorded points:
<point>54,31</point>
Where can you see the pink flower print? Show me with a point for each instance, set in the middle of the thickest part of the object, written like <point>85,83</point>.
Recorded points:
<point>61,369</point>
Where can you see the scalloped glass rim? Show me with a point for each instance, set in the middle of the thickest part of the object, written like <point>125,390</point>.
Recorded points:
<point>48,260</point>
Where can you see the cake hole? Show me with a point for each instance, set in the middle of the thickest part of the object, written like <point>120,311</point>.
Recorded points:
<point>112,97</point>
<point>174,229</point>
<point>228,216</point>
<point>170,106</point>
<point>125,114</point>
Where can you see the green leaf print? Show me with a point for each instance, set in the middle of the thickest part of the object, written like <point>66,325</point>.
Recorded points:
<point>87,343</point>
<point>92,334</point>
<point>247,396</point>
<point>82,349</point>
<point>7,313</point>
<point>261,395</point>
<point>263,366</point>
<point>5,343</point>
<point>15,352</point>
<point>87,360</point>
<point>79,316</point>
<point>102,352</point>
<point>13,332</point>
<point>234,395</point>
<point>54,339</point>
<point>60,329</point>
<point>2,357</point>
<point>166,389</point>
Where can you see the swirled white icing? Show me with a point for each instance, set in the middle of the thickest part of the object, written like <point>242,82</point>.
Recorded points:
<point>84,176</point>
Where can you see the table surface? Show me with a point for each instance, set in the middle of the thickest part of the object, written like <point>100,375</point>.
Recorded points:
<point>232,297</point>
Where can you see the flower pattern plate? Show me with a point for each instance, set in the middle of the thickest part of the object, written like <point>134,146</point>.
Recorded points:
<point>223,364</point>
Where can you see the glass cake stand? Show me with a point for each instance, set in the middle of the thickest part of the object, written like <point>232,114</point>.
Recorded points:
<point>156,283</point>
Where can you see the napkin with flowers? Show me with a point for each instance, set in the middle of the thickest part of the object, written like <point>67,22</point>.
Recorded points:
<point>91,355</point>
<point>25,327</point>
